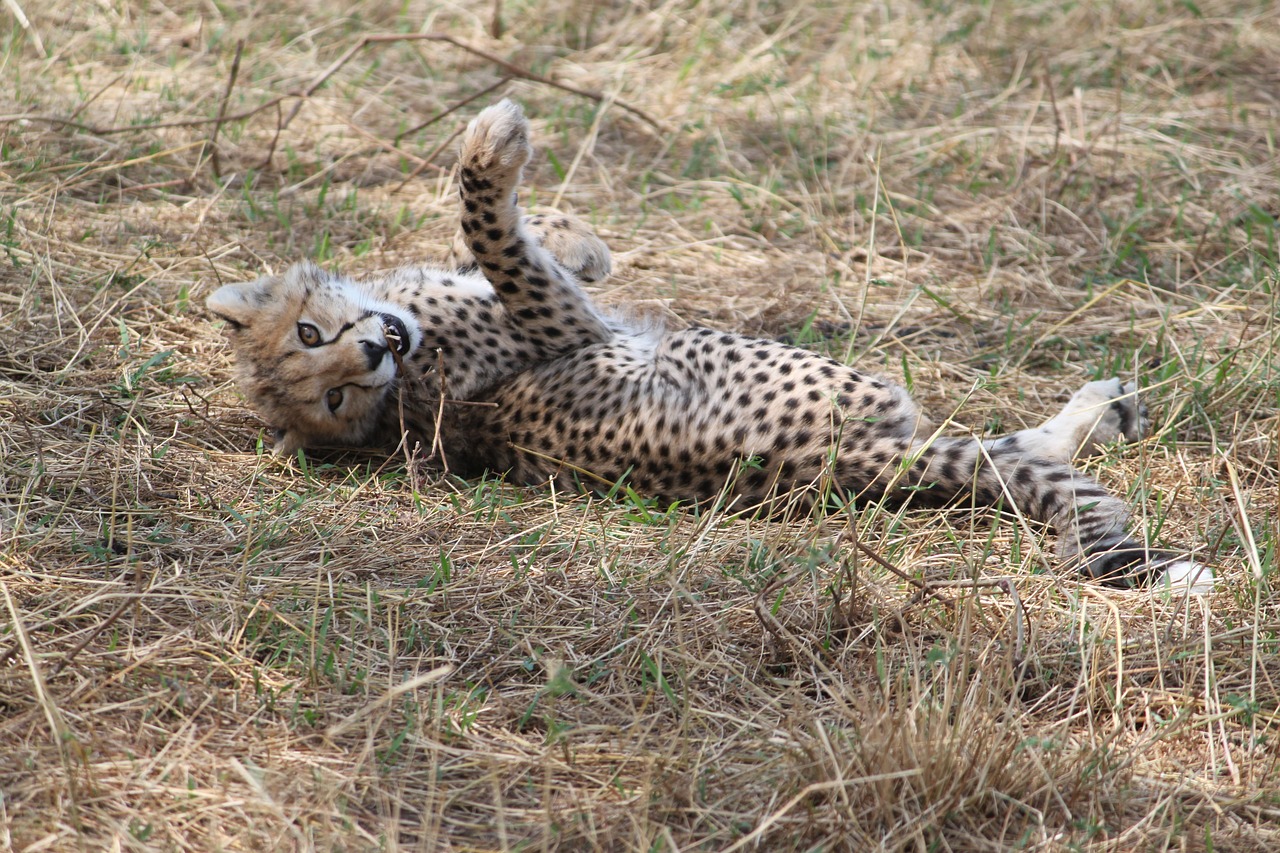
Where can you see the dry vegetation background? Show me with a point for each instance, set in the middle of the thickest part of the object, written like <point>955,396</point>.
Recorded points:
<point>204,648</point>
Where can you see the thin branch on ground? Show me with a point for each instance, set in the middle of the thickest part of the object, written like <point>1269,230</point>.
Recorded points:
<point>222,110</point>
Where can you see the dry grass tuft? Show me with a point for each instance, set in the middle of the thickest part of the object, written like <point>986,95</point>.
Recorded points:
<point>204,648</point>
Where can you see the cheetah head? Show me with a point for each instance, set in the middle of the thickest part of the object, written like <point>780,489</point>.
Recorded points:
<point>314,354</point>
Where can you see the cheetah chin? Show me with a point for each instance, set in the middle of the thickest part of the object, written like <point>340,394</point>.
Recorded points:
<point>502,362</point>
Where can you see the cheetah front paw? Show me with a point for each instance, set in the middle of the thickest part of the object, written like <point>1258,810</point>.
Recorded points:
<point>495,149</point>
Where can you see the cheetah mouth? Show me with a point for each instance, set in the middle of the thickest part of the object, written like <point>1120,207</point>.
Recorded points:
<point>397,335</point>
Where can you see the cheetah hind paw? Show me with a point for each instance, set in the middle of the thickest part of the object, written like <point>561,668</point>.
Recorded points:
<point>1131,412</point>
<point>495,148</point>
<point>1099,413</point>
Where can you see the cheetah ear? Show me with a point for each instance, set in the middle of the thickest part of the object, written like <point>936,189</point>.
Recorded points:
<point>239,304</point>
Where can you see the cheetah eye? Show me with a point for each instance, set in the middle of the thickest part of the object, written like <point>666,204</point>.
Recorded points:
<point>308,334</point>
<point>333,399</point>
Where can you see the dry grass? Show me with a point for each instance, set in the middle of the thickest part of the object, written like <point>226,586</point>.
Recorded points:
<point>202,648</point>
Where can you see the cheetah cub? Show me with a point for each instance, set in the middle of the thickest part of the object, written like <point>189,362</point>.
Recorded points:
<point>504,363</point>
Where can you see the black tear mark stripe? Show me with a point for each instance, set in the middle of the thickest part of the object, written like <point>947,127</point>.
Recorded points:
<point>346,327</point>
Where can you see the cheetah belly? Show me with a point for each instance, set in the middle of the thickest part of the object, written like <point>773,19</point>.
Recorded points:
<point>685,414</point>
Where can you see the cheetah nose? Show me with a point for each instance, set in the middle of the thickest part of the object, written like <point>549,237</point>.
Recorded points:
<point>374,352</point>
<point>396,333</point>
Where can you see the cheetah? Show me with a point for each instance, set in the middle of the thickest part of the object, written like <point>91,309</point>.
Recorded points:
<point>503,363</point>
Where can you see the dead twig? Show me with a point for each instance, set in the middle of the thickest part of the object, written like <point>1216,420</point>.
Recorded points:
<point>129,600</point>
<point>1058,127</point>
<point>495,22</point>
<point>453,109</point>
<point>510,68</point>
<point>301,95</point>
<point>410,453</point>
<point>436,446</point>
<point>427,161</point>
<point>222,111</point>
<point>770,622</point>
<point>918,584</point>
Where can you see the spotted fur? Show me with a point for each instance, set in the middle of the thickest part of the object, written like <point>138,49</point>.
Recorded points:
<point>536,381</point>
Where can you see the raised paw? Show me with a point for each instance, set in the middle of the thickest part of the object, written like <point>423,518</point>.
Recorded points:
<point>495,149</point>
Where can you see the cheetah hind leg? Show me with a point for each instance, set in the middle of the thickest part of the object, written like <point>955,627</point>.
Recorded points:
<point>572,242</point>
<point>553,311</point>
<point>495,150</point>
<point>1111,410</point>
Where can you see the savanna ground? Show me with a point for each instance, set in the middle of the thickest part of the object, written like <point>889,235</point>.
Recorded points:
<point>206,648</point>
